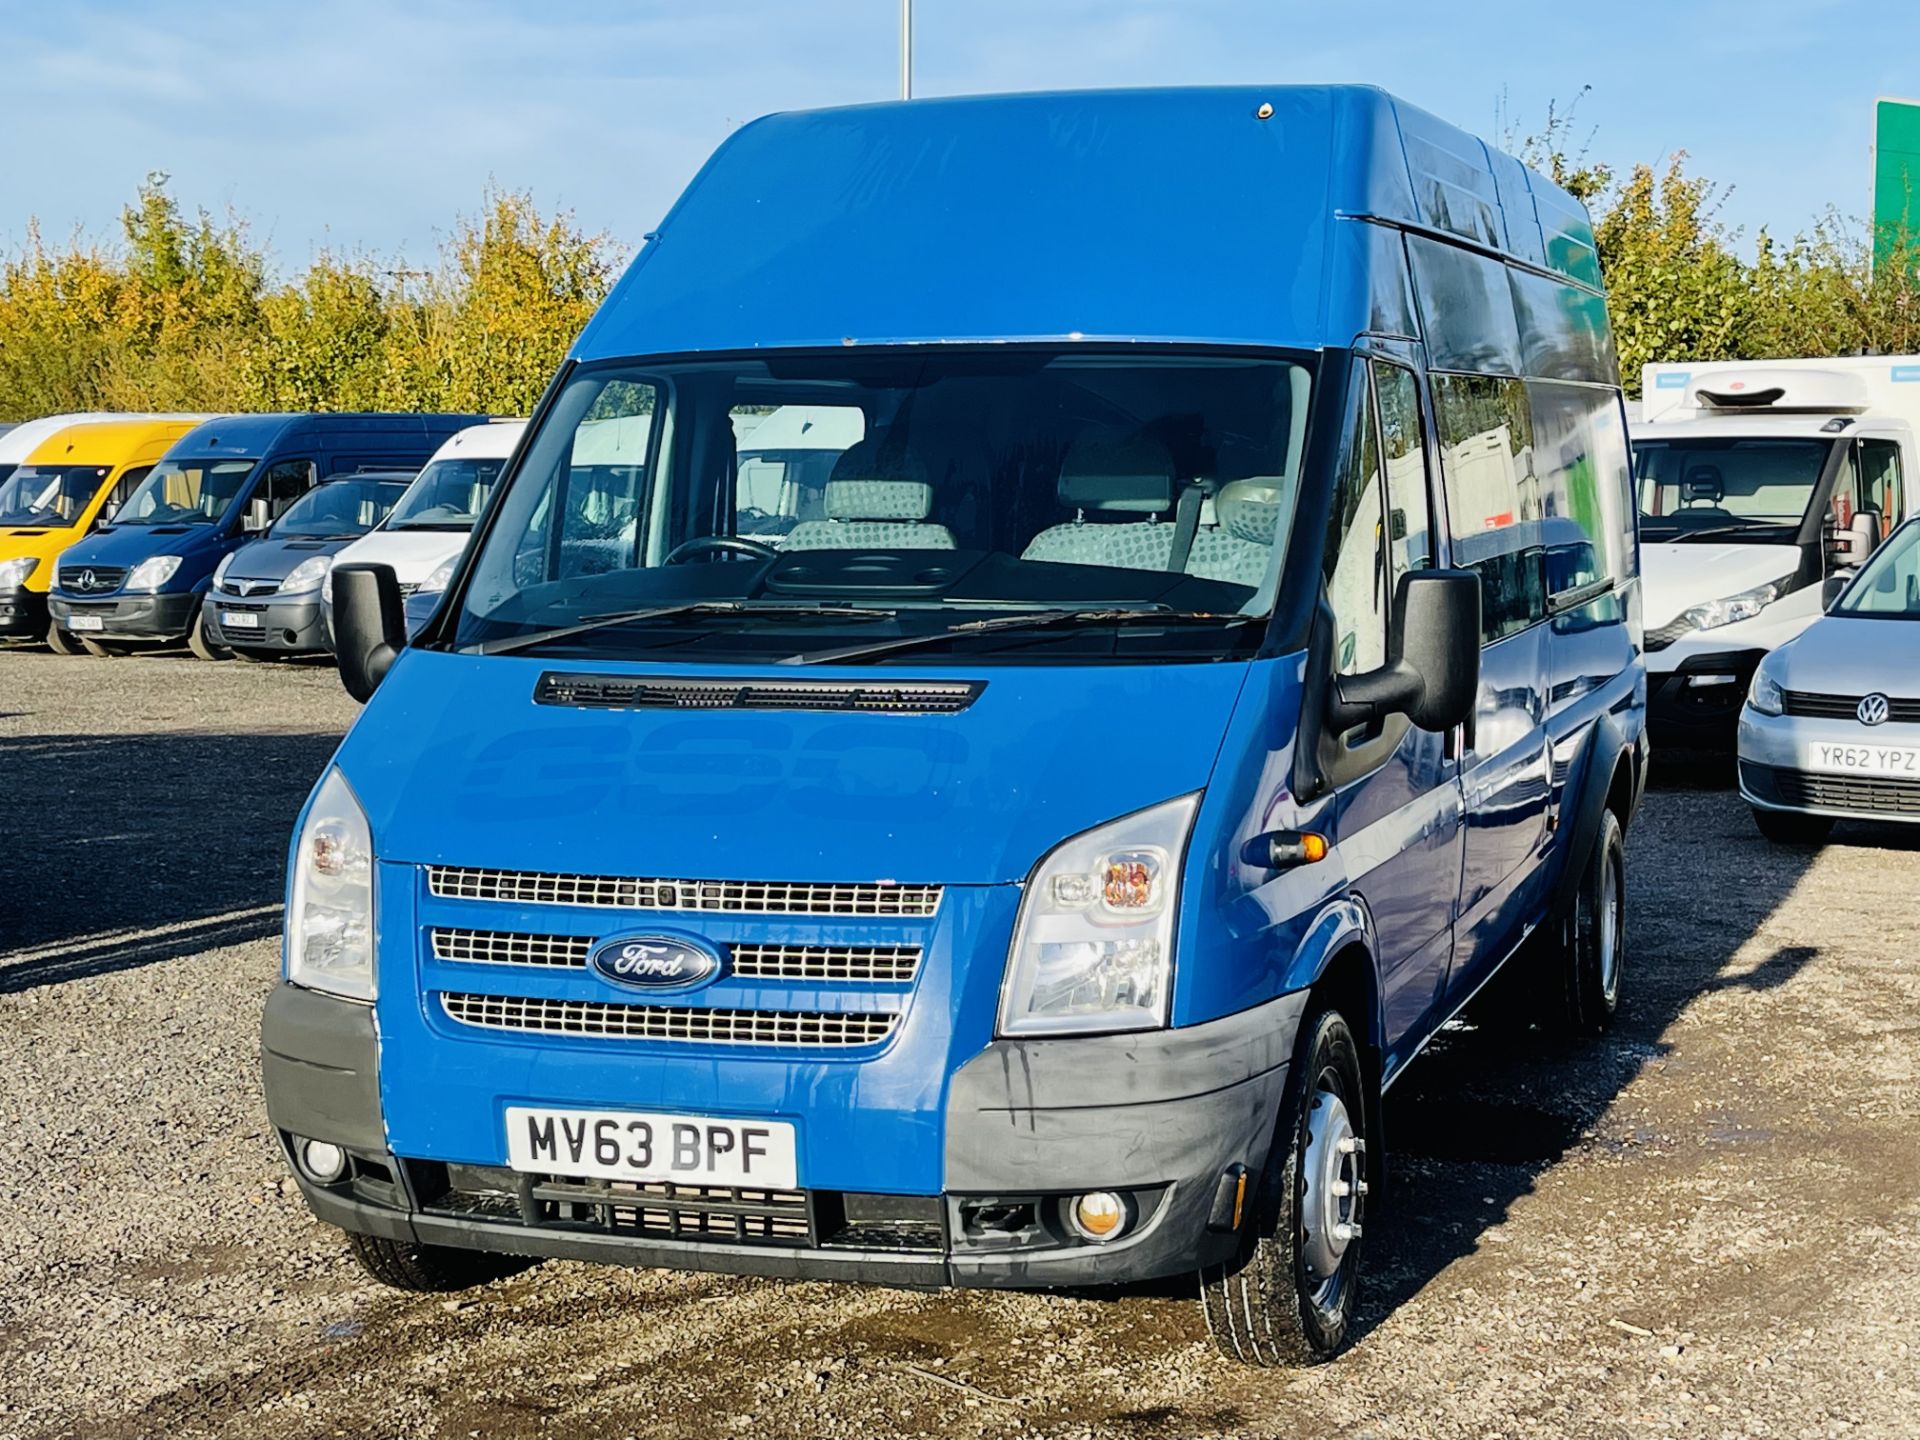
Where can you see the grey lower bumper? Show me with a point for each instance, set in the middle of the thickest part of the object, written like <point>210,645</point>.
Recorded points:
<point>294,626</point>
<point>138,617</point>
<point>1163,1114</point>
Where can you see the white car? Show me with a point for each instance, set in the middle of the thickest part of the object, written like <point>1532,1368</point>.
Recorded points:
<point>429,526</point>
<point>1831,727</point>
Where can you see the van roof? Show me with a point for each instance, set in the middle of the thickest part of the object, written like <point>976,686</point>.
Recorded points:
<point>105,442</point>
<point>23,439</point>
<point>250,436</point>
<point>492,441</point>
<point>1222,215</point>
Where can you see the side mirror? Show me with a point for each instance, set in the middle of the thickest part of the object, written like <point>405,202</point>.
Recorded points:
<point>1433,674</point>
<point>1831,587</point>
<point>257,517</point>
<point>369,625</point>
<point>1851,547</point>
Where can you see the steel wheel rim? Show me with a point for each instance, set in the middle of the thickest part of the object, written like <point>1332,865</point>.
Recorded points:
<point>1332,1191</point>
<point>1610,932</point>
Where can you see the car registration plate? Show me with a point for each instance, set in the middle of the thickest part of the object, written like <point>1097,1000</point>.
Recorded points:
<point>239,620</point>
<point>1864,759</point>
<point>625,1145</point>
<point>86,622</point>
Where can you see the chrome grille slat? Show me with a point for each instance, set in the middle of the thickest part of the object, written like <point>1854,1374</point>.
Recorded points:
<point>853,964</point>
<point>743,897</point>
<point>602,1020</point>
<point>1813,704</point>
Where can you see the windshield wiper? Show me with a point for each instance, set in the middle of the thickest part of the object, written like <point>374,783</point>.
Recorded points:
<point>1026,620</point>
<point>510,643</point>
<point>1713,530</point>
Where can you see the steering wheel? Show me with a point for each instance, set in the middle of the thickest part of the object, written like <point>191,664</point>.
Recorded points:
<point>719,545</point>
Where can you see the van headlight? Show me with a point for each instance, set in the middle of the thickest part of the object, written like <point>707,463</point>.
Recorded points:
<point>153,572</point>
<point>437,581</point>
<point>1765,694</point>
<point>330,919</point>
<point>14,573</point>
<point>1732,609</point>
<point>1093,949</point>
<point>307,575</point>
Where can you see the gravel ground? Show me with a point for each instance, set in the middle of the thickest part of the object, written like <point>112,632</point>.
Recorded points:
<point>1704,1225</point>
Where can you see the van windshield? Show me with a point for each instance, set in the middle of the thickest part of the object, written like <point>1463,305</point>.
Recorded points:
<point>888,496</point>
<point>1729,487</point>
<point>338,509</point>
<point>185,492</point>
<point>54,495</point>
<point>447,495</point>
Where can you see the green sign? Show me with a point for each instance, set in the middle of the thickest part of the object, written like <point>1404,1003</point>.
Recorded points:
<point>1896,174</point>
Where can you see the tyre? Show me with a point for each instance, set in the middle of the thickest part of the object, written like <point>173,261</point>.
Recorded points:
<point>1594,956</point>
<point>1783,827</point>
<point>1292,1296</point>
<point>63,642</point>
<point>428,1268</point>
<point>102,649</point>
<point>257,657</point>
<point>201,644</point>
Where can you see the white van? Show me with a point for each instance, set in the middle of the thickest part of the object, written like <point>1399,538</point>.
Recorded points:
<point>428,527</point>
<point>1757,480</point>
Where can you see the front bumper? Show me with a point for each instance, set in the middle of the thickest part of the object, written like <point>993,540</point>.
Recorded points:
<point>1165,1118</point>
<point>23,612</point>
<point>127,617</point>
<point>1694,701</point>
<point>296,625</point>
<point>1775,775</point>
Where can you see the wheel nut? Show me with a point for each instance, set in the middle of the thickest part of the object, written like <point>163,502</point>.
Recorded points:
<point>1345,1231</point>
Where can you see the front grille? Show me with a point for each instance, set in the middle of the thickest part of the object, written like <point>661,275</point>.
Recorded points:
<point>1815,705</point>
<point>406,589</point>
<point>681,1212</point>
<point>629,692</point>
<point>231,586</point>
<point>601,1020</point>
<point>871,964</point>
<point>91,579</point>
<point>500,947</point>
<point>1661,638</point>
<point>744,897</point>
<point>1848,792</point>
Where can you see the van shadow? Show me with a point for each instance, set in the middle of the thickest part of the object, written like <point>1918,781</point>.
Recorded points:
<point>1493,1104</point>
<point>120,851</point>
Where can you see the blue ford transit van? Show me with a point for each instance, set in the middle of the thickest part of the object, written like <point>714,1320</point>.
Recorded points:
<point>1215,653</point>
<point>144,576</point>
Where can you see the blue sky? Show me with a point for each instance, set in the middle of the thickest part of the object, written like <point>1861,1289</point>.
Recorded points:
<point>364,126</point>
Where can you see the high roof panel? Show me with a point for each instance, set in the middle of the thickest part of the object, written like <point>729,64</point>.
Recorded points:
<point>1172,215</point>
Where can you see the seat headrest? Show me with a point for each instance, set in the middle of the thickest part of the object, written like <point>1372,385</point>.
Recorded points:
<point>1702,482</point>
<point>875,480</point>
<point>1250,509</point>
<point>1114,470</point>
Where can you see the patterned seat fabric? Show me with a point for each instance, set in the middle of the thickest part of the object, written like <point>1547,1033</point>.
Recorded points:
<point>1109,472</point>
<point>1241,547</point>
<point>877,499</point>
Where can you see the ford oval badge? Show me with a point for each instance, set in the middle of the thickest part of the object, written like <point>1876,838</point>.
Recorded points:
<point>657,962</point>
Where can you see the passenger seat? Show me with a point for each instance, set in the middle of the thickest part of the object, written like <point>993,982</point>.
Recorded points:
<point>1109,472</point>
<point>876,499</point>
<point>1241,547</point>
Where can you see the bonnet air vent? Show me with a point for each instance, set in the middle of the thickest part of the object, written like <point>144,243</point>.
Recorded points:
<point>627,692</point>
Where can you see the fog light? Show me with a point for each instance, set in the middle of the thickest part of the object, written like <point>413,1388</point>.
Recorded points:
<point>1701,681</point>
<point>320,1162</point>
<point>1099,1216</point>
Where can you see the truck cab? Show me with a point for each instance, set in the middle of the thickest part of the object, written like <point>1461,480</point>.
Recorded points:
<point>1757,483</point>
<point>1025,857</point>
<point>143,578</point>
<point>58,492</point>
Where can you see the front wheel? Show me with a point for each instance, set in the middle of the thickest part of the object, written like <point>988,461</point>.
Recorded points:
<point>1785,827</point>
<point>202,644</point>
<point>429,1268</point>
<point>63,642</point>
<point>1596,951</point>
<point>1293,1296</point>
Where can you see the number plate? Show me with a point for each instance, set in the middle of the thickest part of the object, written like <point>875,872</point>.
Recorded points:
<point>86,622</point>
<point>623,1145</point>
<point>1864,759</point>
<point>239,620</point>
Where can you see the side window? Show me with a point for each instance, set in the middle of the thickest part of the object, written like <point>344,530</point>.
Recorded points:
<point>1881,487</point>
<point>784,457</point>
<point>1493,499</point>
<point>1581,458</point>
<point>1409,526</point>
<point>122,488</point>
<point>1355,557</point>
<point>597,502</point>
<point>285,482</point>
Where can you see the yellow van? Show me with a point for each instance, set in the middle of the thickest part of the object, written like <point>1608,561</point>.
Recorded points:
<point>57,494</point>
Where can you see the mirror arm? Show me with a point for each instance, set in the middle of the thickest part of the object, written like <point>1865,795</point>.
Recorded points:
<point>1364,698</point>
